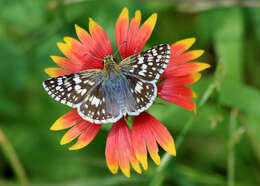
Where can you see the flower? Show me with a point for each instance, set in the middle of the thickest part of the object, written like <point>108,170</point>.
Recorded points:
<point>125,147</point>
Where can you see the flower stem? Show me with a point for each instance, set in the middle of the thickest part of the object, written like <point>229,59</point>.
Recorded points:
<point>13,159</point>
<point>159,176</point>
<point>231,149</point>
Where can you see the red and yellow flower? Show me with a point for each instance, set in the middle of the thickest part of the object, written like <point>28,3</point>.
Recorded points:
<point>125,146</point>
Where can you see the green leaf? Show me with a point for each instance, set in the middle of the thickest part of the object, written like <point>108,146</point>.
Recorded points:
<point>235,94</point>
<point>229,42</point>
<point>255,16</point>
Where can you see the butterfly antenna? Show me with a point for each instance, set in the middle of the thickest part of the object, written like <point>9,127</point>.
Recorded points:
<point>124,42</point>
<point>135,51</point>
<point>94,57</point>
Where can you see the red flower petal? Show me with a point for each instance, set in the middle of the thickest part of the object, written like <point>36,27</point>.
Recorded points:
<point>65,63</point>
<point>111,151</point>
<point>102,45</point>
<point>139,144</point>
<point>121,32</point>
<point>179,96</point>
<point>87,136</point>
<point>67,120</point>
<point>135,38</point>
<point>184,80</point>
<point>181,46</point>
<point>148,130</point>
<point>145,32</point>
<point>83,53</point>
<point>85,129</point>
<point>119,150</point>
<point>134,25</point>
<point>84,37</point>
<point>185,57</point>
<point>184,69</point>
<point>167,87</point>
<point>89,44</point>
<point>74,132</point>
<point>69,52</point>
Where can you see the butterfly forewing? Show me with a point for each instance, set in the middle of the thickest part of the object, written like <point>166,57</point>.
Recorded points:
<point>149,64</point>
<point>72,89</point>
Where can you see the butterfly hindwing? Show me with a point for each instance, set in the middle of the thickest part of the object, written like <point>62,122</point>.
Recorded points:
<point>71,89</point>
<point>109,101</point>
<point>149,64</point>
<point>144,94</point>
<point>127,96</point>
<point>93,108</point>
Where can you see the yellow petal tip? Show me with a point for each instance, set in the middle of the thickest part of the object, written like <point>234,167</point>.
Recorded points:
<point>143,160</point>
<point>197,53</point>
<point>63,47</point>
<point>55,127</point>
<point>172,151</point>
<point>124,13</point>
<point>65,139</point>
<point>90,23</point>
<point>170,147</point>
<point>185,43</point>
<point>60,44</point>
<point>195,110</point>
<point>51,71</point>
<point>203,66</point>
<point>55,58</point>
<point>151,21</point>
<point>67,38</point>
<point>188,42</point>
<point>78,29</point>
<point>156,158</point>
<point>138,14</point>
<point>196,76</point>
<point>113,168</point>
<point>154,17</point>
<point>194,95</point>
<point>138,169</point>
<point>126,172</point>
<point>76,147</point>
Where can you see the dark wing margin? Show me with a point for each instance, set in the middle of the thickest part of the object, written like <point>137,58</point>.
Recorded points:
<point>149,64</point>
<point>72,89</point>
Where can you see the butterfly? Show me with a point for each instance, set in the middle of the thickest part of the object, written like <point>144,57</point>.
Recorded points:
<point>106,95</point>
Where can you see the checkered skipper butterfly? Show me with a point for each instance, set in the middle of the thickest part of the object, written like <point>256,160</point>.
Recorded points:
<point>103,96</point>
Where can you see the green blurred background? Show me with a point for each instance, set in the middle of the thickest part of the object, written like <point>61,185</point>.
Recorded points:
<point>222,143</point>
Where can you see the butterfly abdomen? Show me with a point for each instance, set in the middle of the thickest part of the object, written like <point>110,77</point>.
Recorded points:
<point>118,95</point>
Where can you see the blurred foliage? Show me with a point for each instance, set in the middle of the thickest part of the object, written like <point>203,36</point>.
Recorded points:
<point>230,36</point>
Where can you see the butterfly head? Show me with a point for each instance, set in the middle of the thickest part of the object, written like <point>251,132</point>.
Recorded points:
<point>108,59</point>
<point>110,65</point>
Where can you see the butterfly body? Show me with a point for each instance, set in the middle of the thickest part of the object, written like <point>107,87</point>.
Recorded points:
<point>110,67</point>
<point>103,96</point>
